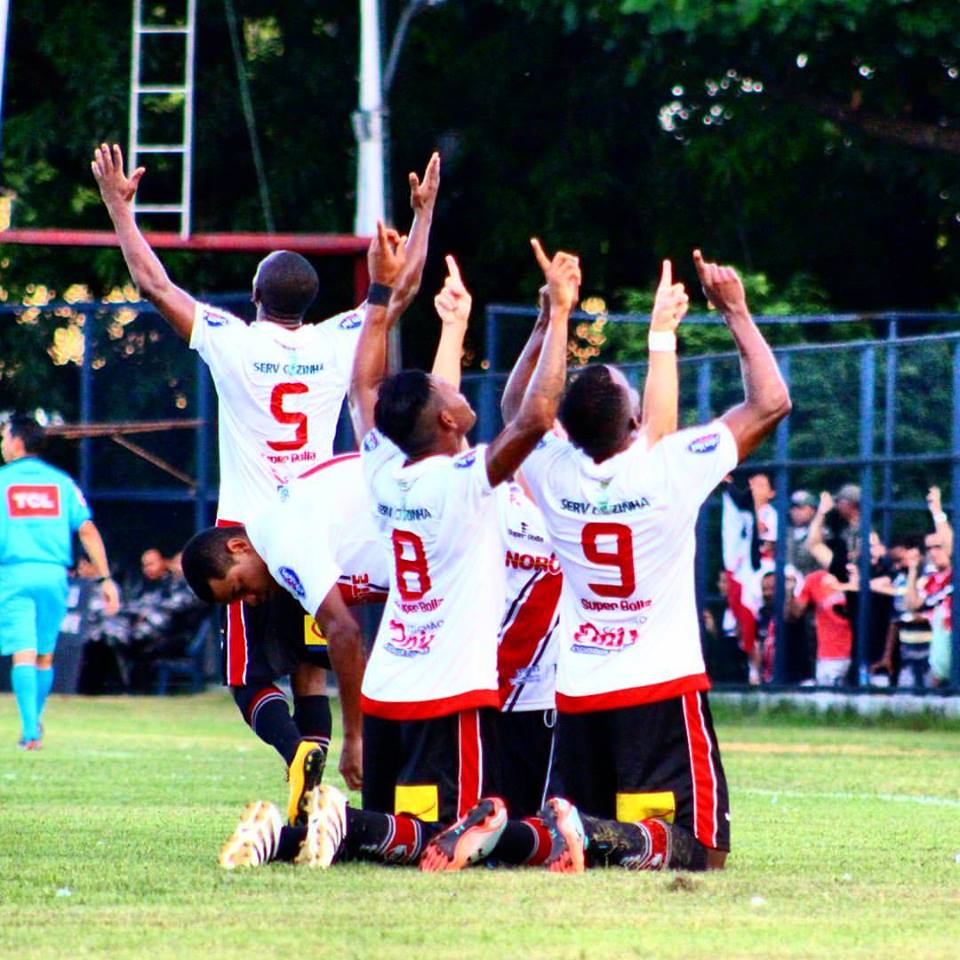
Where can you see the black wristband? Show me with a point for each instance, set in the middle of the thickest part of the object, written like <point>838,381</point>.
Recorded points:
<point>379,294</point>
<point>104,579</point>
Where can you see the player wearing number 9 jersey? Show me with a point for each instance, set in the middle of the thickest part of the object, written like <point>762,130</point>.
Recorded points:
<point>634,740</point>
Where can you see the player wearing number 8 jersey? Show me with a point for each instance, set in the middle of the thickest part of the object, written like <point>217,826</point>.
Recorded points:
<point>634,739</point>
<point>430,688</point>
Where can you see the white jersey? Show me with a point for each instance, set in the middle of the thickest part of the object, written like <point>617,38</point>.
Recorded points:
<point>323,535</point>
<point>624,531</point>
<point>436,649</point>
<point>527,655</point>
<point>280,393</point>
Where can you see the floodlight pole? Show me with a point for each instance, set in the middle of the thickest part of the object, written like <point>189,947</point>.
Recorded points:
<point>4,17</point>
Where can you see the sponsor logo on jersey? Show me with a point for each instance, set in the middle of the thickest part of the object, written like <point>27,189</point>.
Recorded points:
<point>602,641</point>
<point>402,644</point>
<point>465,460</point>
<point>526,675</point>
<point>371,441</point>
<point>704,444</point>
<point>628,605</point>
<point>33,500</point>
<point>404,513</point>
<point>530,561</point>
<point>290,578</point>
<point>524,533</point>
<point>583,507</point>
<point>350,322</point>
<point>213,319</point>
<point>288,369</point>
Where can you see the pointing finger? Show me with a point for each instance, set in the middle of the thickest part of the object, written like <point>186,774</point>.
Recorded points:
<point>452,269</point>
<point>542,258</point>
<point>666,274</point>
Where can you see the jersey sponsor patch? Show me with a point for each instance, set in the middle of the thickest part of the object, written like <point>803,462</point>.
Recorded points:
<point>213,319</point>
<point>371,441</point>
<point>403,644</point>
<point>465,460</point>
<point>290,578</point>
<point>704,444</point>
<point>350,322</point>
<point>602,641</point>
<point>33,500</point>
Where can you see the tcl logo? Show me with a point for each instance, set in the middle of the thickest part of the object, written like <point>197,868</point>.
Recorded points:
<point>30,501</point>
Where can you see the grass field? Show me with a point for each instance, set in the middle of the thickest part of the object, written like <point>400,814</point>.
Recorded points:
<point>846,843</point>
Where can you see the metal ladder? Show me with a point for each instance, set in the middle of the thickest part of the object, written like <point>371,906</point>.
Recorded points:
<point>182,85</point>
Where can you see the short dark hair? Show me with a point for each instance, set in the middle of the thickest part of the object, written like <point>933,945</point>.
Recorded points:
<point>286,285</point>
<point>398,413</point>
<point>595,411</point>
<point>29,431</point>
<point>205,558</point>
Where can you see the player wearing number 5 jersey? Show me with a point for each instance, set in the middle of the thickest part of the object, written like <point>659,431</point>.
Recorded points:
<point>635,740</point>
<point>430,688</point>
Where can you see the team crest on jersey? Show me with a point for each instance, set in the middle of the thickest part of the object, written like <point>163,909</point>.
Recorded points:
<point>465,460</point>
<point>371,441</point>
<point>602,641</point>
<point>290,578</point>
<point>350,322</point>
<point>704,444</point>
<point>403,644</point>
<point>213,319</point>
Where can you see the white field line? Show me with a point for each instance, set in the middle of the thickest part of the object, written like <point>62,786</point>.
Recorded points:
<point>844,795</point>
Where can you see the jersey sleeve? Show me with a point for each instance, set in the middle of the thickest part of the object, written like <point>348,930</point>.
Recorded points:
<point>536,466</point>
<point>377,452</point>
<point>78,510</point>
<point>344,333</point>
<point>469,484</point>
<point>212,327</point>
<point>698,459</point>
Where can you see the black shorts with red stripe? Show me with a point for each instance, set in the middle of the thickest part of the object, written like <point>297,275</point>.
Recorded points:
<point>653,760</point>
<point>434,769</point>
<point>269,641</point>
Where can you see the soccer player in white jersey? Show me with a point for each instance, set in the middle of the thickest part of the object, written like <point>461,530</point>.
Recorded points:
<point>431,681</point>
<point>635,742</point>
<point>280,385</point>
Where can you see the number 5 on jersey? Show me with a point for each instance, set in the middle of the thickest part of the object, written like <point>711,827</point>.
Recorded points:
<point>413,577</point>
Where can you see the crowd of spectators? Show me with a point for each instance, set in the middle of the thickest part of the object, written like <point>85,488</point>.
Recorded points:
<point>908,643</point>
<point>158,619</point>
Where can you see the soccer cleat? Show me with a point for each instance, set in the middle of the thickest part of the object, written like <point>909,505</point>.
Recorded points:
<point>256,838</point>
<point>325,809</point>
<point>470,839</point>
<point>566,835</point>
<point>305,773</point>
<point>29,744</point>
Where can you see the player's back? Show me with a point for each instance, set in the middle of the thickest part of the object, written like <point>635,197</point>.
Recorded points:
<point>624,531</point>
<point>436,647</point>
<point>280,390</point>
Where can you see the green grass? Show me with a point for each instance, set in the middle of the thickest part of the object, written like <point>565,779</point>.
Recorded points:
<point>846,843</point>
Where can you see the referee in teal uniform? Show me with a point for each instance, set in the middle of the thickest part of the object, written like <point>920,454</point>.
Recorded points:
<point>40,510</point>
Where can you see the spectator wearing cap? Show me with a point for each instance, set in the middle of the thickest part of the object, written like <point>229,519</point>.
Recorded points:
<point>803,508</point>
<point>834,536</point>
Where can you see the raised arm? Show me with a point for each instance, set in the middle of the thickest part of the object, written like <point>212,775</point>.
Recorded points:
<point>523,369</point>
<point>176,306</point>
<point>385,260</point>
<point>661,393</point>
<point>423,197</point>
<point>452,304</point>
<point>815,542</point>
<point>766,398</point>
<point>541,399</point>
<point>940,522</point>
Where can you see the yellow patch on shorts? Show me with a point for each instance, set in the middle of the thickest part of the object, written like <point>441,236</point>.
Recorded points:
<point>632,807</point>
<point>421,800</point>
<point>312,634</point>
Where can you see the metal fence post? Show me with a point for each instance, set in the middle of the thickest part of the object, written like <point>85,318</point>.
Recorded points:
<point>781,485</point>
<point>487,415</point>
<point>955,517</point>
<point>889,424</point>
<point>868,375</point>
<point>86,396</point>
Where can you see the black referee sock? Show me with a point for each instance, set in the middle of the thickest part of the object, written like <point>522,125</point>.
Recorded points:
<point>311,714</point>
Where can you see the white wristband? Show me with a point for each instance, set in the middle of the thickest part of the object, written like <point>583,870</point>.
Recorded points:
<point>662,341</point>
<point>940,517</point>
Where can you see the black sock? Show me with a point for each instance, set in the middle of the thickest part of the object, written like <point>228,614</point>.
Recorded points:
<point>311,715</point>
<point>386,838</point>
<point>522,842</point>
<point>648,845</point>
<point>266,711</point>
<point>289,845</point>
